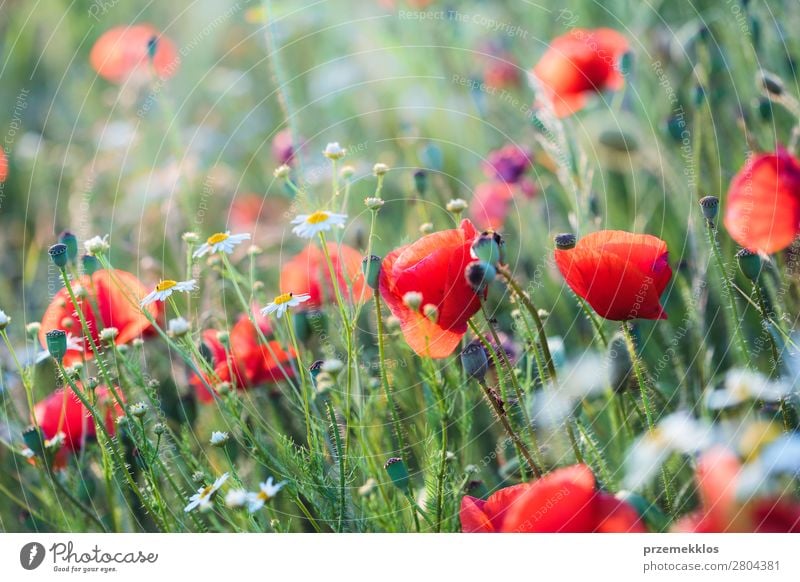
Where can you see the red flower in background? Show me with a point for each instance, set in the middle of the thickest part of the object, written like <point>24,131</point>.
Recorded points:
<point>620,274</point>
<point>3,165</point>
<point>718,472</point>
<point>579,63</point>
<point>283,147</point>
<point>116,295</point>
<point>501,71</point>
<point>564,501</point>
<point>490,204</point>
<point>762,210</point>
<point>508,163</point>
<point>248,364</point>
<point>308,272</point>
<point>63,412</point>
<point>123,50</point>
<point>433,266</point>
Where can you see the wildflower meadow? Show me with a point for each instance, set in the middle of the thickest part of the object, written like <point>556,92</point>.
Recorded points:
<point>399,266</point>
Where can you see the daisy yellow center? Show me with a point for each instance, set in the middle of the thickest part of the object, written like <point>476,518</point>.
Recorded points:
<point>166,284</point>
<point>263,496</point>
<point>217,238</point>
<point>317,217</point>
<point>281,299</point>
<point>207,491</point>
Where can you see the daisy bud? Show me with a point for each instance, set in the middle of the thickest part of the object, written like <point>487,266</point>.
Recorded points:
<point>431,312</point>
<point>137,342</point>
<point>58,254</point>
<point>371,267</point>
<point>392,323</point>
<point>224,388</point>
<point>770,84</point>
<point>333,151</point>
<point>426,228</point>
<point>380,169</point>
<point>347,172</point>
<point>421,182</point>
<point>413,300</point>
<point>56,340</point>
<point>749,264</point>
<point>96,245</point>
<point>457,206</point>
<point>198,477</point>
<point>565,241</point>
<point>109,334</point>
<point>191,238</point>
<point>488,247</point>
<point>219,438</point>
<point>474,361</point>
<point>122,421</point>
<point>479,274</point>
<point>92,383</point>
<point>543,314</point>
<point>254,250</point>
<point>373,203</point>
<point>710,206</point>
<point>138,410</point>
<point>178,327</point>
<point>123,349</point>
<point>398,472</point>
<point>4,320</point>
<point>258,286</point>
<point>74,371</point>
<point>71,242</point>
<point>369,486</point>
<point>282,172</point>
<point>32,329</point>
<point>159,428</point>
<point>90,264</point>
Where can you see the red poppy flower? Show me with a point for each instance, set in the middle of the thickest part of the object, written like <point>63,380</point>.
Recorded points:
<point>509,163</point>
<point>308,272</point>
<point>3,166</point>
<point>620,274</point>
<point>501,71</point>
<point>762,211</point>
<point>248,364</point>
<point>123,50</point>
<point>63,412</point>
<point>116,296</point>
<point>565,500</point>
<point>433,266</point>
<point>718,472</point>
<point>579,63</point>
<point>490,204</point>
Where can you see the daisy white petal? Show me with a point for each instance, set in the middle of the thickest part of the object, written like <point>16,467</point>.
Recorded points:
<point>310,225</point>
<point>221,242</point>
<point>280,305</point>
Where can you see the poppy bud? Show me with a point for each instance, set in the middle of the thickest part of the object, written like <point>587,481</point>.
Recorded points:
<point>56,340</point>
<point>565,241</point>
<point>152,47</point>
<point>34,439</point>
<point>475,361</point>
<point>90,264</point>
<point>675,127</point>
<point>58,254</point>
<point>488,247</point>
<point>710,206</point>
<point>626,62</point>
<point>749,264</point>
<point>421,182</point>
<point>764,106</point>
<point>398,472</point>
<point>71,241</point>
<point>315,368</point>
<point>771,84</point>
<point>371,267</point>
<point>479,275</point>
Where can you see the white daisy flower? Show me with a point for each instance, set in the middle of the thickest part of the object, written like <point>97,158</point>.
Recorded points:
<point>742,385</point>
<point>221,241</point>
<point>219,438</point>
<point>576,382</point>
<point>310,225</point>
<point>266,491</point>
<point>334,151</point>
<point>166,288</point>
<point>237,498</point>
<point>282,303</point>
<point>202,498</point>
<point>178,327</point>
<point>96,245</point>
<point>4,319</point>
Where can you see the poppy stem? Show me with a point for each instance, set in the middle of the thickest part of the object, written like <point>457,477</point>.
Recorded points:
<point>526,301</point>
<point>303,387</point>
<point>340,458</point>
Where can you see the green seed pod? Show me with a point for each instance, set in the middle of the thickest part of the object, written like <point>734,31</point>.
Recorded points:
<point>710,206</point>
<point>479,274</point>
<point>749,264</point>
<point>56,340</point>
<point>58,254</point>
<point>475,361</point>
<point>565,241</point>
<point>421,182</point>
<point>488,248</point>
<point>71,242</point>
<point>371,267</point>
<point>398,472</point>
<point>90,264</point>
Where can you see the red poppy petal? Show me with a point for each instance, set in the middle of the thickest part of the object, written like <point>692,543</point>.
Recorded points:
<point>473,518</point>
<point>616,516</point>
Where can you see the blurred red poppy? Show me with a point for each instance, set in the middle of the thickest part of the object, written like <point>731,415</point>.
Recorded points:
<point>718,472</point>
<point>620,274</point>
<point>501,71</point>
<point>762,211</point>
<point>63,412</point>
<point>123,50</point>
<point>308,272</point>
<point>248,363</point>
<point>579,63</point>
<point>490,204</point>
<point>115,295</point>
<point>564,501</point>
<point>3,165</point>
<point>433,266</point>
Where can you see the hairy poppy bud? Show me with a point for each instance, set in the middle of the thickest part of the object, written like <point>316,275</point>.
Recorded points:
<point>371,267</point>
<point>315,368</point>
<point>58,254</point>
<point>565,241</point>
<point>71,242</point>
<point>710,206</point>
<point>770,83</point>
<point>90,264</point>
<point>475,361</point>
<point>56,340</point>
<point>479,275</point>
<point>489,247</point>
<point>749,264</point>
<point>398,472</point>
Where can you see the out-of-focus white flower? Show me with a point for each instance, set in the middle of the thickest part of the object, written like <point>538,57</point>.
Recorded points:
<point>166,288</point>
<point>266,491</point>
<point>679,432</point>
<point>333,151</point>
<point>237,498</point>
<point>742,385</point>
<point>581,379</point>
<point>4,320</point>
<point>219,438</point>
<point>281,304</point>
<point>310,225</point>
<point>220,242</point>
<point>109,334</point>
<point>178,327</point>
<point>96,245</point>
<point>203,497</point>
